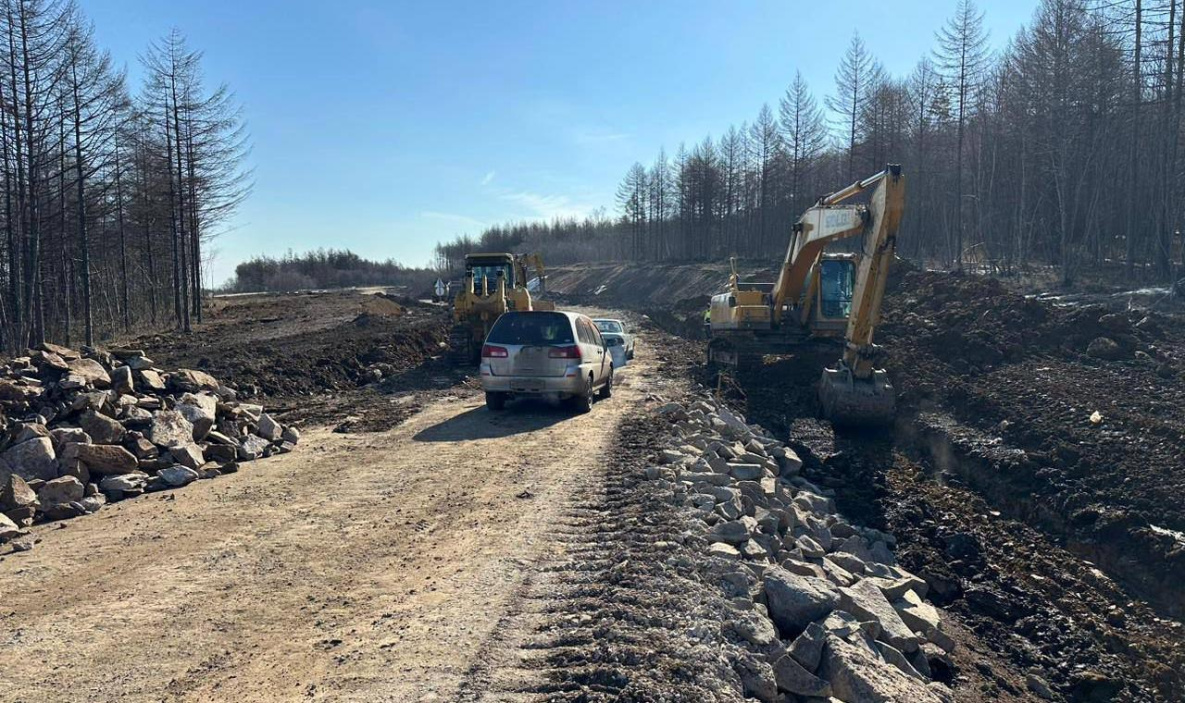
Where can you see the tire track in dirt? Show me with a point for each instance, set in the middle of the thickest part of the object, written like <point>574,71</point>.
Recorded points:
<point>623,612</point>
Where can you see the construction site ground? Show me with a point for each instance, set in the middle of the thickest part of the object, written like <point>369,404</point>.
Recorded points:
<point>417,547</point>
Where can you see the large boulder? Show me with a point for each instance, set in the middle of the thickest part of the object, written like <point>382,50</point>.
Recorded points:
<point>793,677</point>
<point>66,489</point>
<point>121,380</point>
<point>171,429</point>
<point>15,393</point>
<point>32,430</point>
<point>252,447</point>
<point>139,363</point>
<point>62,436</point>
<point>31,459</point>
<point>178,475</point>
<point>123,485</point>
<point>757,679</point>
<point>755,628</point>
<point>857,673</point>
<point>866,601</point>
<point>105,459</point>
<point>291,435</point>
<point>91,372</point>
<point>102,429</point>
<point>15,493</point>
<point>9,529</point>
<point>200,409</point>
<point>797,601</point>
<point>734,532</point>
<point>917,614</point>
<point>269,429</point>
<point>807,648</point>
<point>64,352</point>
<point>188,455</point>
<point>192,381</point>
<point>151,380</point>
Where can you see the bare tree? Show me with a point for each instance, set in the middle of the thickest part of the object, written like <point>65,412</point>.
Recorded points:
<point>852,81</point>
<point>962,54</point>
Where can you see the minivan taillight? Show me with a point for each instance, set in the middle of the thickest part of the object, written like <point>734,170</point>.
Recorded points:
<point>570,352</point>
<point>489,351</point>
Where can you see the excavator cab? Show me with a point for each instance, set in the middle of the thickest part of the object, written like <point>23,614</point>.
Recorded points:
<point>837,286</point>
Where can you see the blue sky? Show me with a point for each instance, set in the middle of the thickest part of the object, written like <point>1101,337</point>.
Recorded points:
<point>386,127</point>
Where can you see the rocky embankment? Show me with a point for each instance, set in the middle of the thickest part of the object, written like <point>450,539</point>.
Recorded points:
<point>820,606</point>
<point>81,428</point>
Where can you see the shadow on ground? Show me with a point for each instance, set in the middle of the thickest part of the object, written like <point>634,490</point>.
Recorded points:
<point>518,417</point>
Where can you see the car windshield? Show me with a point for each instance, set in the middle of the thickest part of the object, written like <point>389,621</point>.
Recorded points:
<point>609,326</point>
<point>531,328</point>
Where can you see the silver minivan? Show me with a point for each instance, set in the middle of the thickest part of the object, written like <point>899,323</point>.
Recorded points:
<point>545,353</point>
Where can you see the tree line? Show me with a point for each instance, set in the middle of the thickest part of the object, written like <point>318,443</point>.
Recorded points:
<point>1061,149</point>
<point>109,197</point>
<point>326,268</point>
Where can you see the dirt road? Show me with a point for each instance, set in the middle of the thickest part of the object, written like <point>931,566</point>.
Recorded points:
<point>361,567</point>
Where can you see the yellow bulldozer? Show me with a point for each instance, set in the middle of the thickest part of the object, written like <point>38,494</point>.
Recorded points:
<point>823,295</point>
<point>493,284</point>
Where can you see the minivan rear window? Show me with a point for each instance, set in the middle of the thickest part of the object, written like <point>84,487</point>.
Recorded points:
<point>531,328</point>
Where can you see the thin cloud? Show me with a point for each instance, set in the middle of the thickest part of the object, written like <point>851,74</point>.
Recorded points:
<point>547,207</point>
<point>488,178</point>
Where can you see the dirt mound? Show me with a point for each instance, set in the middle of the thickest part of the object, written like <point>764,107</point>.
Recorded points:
<point>973,323</point>
<point>311,354</point>
<point>1019,371</point>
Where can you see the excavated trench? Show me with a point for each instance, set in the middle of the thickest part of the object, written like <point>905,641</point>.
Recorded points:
<point>1149,563</point>
<point>1090,610</point>
<point>992,556</point>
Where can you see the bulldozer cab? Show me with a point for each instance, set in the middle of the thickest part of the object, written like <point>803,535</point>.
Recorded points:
<point>485,269</point>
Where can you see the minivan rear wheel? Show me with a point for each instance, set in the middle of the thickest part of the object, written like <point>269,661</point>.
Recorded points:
<point>495,401</point>
<point>583,402</point>
<point>607,389</point>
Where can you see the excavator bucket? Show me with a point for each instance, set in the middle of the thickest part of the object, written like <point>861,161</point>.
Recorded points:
<point>854,402</point>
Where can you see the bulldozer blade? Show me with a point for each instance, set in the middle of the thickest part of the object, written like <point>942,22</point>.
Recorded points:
<point>847,400</point>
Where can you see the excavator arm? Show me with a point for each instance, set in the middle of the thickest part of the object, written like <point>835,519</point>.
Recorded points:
<point>855,391</point>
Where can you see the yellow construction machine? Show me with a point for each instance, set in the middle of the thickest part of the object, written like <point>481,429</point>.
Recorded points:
<point>493,284</point>
<point>821,295</point>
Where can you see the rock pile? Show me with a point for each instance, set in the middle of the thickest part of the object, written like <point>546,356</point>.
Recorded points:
<point>821,607</point>
<point>80,428</point>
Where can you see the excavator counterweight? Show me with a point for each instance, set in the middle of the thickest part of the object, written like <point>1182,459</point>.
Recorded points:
<point>820,295</point>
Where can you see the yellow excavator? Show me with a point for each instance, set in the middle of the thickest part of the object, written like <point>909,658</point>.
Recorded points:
<point>493,284</point>
<point>821,295</point>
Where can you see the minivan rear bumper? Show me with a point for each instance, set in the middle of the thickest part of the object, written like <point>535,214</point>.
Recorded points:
<point>533,385</point>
